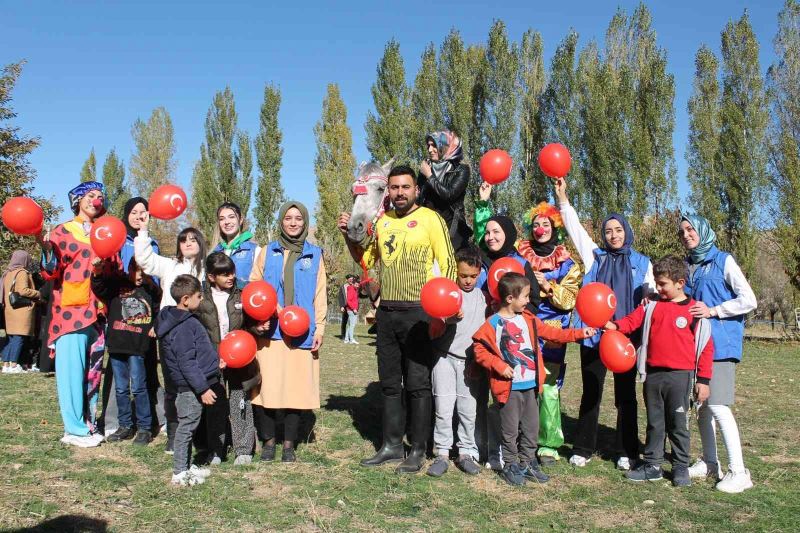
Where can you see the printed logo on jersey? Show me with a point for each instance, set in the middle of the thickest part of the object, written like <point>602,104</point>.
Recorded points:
<point>412,224</point>
<point>391,246</point>
<point>681,322</point>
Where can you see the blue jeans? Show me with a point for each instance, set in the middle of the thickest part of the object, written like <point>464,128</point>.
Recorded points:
<point>130,377</point>
<point>13,349</point>
<point>352,320</point>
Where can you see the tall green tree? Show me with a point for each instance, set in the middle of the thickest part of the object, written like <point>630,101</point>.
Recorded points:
<point>114,181</point>
<point>783,80</point>
<point>224,171</point>
<point>269,154</point>
<point>334,166</point>
<point>531,82</point>
<point>742,153</point>
<point>426,109</point>
<point>703,172</point>
<point>18,177</point>
<point>389,129</point>
<point>89,168</point>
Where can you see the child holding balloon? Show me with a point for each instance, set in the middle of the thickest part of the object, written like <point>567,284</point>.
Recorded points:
<point>676,352</point>
<point>221,312</point>
<point>193,366</point>
<point>507,345</point>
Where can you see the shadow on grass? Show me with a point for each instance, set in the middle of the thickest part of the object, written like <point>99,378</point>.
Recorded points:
<point>608,447</point>
<point>71,523</point>
<point>365,410</point>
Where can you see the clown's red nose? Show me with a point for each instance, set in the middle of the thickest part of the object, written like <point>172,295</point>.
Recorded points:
<point>97,203</point>
<point>538,231</point>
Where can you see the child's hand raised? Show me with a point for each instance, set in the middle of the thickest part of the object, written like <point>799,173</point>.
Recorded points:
<point>97,266</point>
<point>222,364</point>
<point>589,332</point>
<point>436,328</point>
<point>610,326</point>
<point>262,328</point>
<point>508,373</point>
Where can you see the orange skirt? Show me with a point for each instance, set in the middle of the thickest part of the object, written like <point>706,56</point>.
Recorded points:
<point>289,377</point>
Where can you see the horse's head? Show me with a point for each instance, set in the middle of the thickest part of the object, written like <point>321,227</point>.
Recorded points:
<point>370,199</point>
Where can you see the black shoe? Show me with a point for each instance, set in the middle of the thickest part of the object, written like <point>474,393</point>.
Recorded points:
<point>680,477</point>
<point>513,475</point>
<point>420,431</point>
<point>393,427</point>
<point>143,438</point>
<point>467,464</point>
<point>121,434</point>
<point>438,467</point>
<point>267,452</point>
<point>288,456</point>
<point>644,472</point>
<point>533,472</point>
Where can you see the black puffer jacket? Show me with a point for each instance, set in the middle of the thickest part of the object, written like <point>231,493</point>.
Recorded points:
<point>445,195</point>
<point>188,355</point>
<point>238,378</point>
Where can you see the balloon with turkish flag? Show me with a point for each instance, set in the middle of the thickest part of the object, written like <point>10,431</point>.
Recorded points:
<point>294,321</point>
<point>237,349</point>
<point>440,298</point>
<point>259,300</point>
<point>23,216</point>
<point>495,166</point>
<point>168,202</point>
<point>595,304</point>
<point>500,268</point>
<point>555,161</point>
<point>617,351</point>
<point>107,236</point>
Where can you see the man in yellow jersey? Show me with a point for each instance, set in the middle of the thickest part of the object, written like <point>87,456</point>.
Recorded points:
<point>408,240</point>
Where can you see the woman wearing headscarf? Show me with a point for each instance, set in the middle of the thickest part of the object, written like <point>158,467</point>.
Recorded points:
<point>559,280</point>
<point>443,180</point>
<point>75,333</point>
<point>289,366</point>
<point>20,321</point>
<point>235,241</point>
<point>630,275</point>
<point>724,297</point>
<point>135,216</point>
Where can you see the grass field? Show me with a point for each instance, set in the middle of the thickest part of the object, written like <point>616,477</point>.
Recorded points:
<point>45,486</point>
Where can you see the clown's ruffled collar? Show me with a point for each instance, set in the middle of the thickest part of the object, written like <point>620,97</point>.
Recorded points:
<point>543,264</point>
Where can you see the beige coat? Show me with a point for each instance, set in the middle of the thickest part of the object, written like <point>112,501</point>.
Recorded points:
<point>23,320</point>
<point>290,376</point>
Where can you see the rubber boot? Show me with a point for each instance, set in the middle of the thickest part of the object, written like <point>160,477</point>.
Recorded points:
<point>420,430</point>
<point>393,428</point>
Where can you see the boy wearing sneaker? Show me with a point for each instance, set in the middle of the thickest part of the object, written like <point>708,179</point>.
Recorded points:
<point>507,345</point>
<point>194,367</point>
<point>675,359</point>
<point>452,346</point>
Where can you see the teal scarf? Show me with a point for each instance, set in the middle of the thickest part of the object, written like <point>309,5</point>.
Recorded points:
<point>707,238</point>
<point>235,243</point>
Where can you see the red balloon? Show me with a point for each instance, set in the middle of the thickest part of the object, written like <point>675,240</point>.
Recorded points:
<point>555,161</point>
<point>495,166</point>
<point>440,297</point>
<point>259,300</point>
<point>595,304</point>
<point>500,268</point>
<point>293,321</point>
<point>237,348</point>
<point>23,216</point>
<point>107,236</point>
<point>168,202</point>
<point>617,351</point>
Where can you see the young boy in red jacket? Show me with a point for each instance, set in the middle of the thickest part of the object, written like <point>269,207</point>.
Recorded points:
<point>675,357</point>
<point>507,345</point>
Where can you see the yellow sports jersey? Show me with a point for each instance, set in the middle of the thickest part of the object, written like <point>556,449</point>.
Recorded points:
<point>407,247</point>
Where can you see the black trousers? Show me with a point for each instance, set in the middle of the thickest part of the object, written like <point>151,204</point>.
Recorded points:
<point>666,397</point>
<point>404,352</point>
<point>593,375</point>
<point>266,423</point>
<point>344,324</point>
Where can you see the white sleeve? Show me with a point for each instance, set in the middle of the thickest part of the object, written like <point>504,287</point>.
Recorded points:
<point>745,300</point>
<point>150,262</point>
<point>649,285</point>
<point>580,237</point>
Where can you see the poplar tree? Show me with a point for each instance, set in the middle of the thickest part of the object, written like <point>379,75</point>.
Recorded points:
<point>89,168</point>
<point>269,153</point>
<point>783,80</point>
<point>425,105</point>
<point>114,181</point>
<point>389,128</point>
<point>530,87</point>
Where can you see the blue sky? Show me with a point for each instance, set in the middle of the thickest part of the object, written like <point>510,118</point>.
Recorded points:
<point>95,67</point>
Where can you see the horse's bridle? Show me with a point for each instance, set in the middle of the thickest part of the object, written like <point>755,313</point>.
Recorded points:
<point>360,188</point>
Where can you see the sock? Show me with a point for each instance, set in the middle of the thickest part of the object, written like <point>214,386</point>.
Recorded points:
<point>730,436</point>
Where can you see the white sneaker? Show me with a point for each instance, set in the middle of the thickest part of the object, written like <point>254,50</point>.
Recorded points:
<point>735,482</point>
<point>700,469</point>
<point>579,461</point>
<point>16,369</point>
<point>354,342</point>
<point>199,471</point>
<point>5,369</point>
<point>98,437</point>
<point>243,460</point>
<point>624,464</point>
<point>187,479</point>
<point>87,441</point>
<point>34,369</point>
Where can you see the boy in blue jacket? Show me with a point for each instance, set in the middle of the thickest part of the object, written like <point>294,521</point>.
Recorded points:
<point>194,367</point>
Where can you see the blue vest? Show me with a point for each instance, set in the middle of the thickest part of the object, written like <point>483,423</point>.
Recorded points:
<point>243,257</point>
<point>126,253</point>
<point>639,266</point>
<point>707,284</point>
<point>306,270</point>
